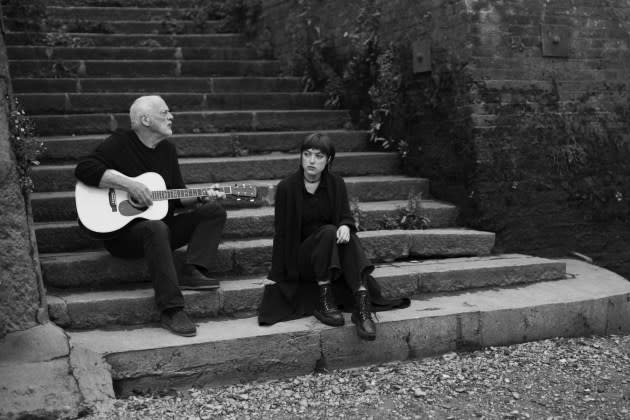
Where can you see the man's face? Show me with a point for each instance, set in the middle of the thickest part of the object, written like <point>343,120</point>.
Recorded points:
<point>161,119</point>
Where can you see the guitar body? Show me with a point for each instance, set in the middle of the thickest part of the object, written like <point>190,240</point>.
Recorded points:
<point>106,210</point>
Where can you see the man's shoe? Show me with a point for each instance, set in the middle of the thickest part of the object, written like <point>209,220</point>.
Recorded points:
<point>326,310</point>
<point>193,279</point>
<point>176,321</point>
<point>362,316</point>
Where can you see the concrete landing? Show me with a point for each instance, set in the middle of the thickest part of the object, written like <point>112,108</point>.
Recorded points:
<point>42,376</point>
<point>594,301</point>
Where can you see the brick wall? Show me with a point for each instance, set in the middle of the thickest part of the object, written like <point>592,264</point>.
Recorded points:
<point>531,147</point>
<point>551,134</point>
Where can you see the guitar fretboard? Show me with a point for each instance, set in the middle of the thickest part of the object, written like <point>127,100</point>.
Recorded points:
<point>185,192</point>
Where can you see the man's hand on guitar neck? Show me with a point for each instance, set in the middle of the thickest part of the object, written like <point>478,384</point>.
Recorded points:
<point>213,193</point>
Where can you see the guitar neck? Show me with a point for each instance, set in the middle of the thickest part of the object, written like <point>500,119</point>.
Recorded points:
<point>161,195</point>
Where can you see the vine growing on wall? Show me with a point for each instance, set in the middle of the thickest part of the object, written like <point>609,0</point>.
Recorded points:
<point>26,146</point>
<point>577,147</point>
<point>356,72</point>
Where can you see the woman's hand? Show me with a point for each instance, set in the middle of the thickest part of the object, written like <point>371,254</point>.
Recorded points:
<point>343,234</point>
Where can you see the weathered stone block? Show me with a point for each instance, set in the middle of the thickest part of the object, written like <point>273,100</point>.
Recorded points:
<point>618,318</point>
<point>342,347</point>
<point>518,325</point>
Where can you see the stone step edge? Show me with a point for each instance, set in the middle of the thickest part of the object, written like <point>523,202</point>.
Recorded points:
<point>154,78</point>
<point>175,137</point>
<point>99,270</point>
<point>207,113</point>
<point>165,93</point>
<point>249,222</point>
<point>81,310</point>
<point>209,160</point>
<point>36,196</point>
<point>65,9</point>
<point>228,35</point>
<point>59,206</point>
<point>65,149</point>
<point>594,301</point>
<point>268,211</point>
<point>144,61</point>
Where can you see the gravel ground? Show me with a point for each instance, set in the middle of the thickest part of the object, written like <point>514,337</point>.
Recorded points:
<point>578,378</point>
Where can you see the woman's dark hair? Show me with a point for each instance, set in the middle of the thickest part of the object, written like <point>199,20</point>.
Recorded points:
<point>321,142</point>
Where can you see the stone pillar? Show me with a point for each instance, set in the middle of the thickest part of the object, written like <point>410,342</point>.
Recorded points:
<point>22,298</point>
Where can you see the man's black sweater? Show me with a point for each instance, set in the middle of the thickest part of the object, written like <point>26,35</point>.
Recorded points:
<point>124,152</point>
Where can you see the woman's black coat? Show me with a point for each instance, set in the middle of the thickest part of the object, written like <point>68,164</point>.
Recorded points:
<point>289,298</point>
<point>288,222</point>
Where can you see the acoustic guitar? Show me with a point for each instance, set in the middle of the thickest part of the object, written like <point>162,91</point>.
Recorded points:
<point>106,210</point>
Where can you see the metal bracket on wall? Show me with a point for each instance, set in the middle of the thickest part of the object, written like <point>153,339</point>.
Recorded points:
<point>556,40</point>
<point>421,56</point>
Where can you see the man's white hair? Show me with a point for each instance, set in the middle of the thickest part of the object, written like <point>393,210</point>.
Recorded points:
<point>142,107</point>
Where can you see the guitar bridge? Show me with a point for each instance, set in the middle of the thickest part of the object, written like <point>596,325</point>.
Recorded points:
<point>112,200</point>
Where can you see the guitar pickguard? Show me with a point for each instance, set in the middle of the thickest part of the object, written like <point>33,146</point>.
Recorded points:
<point>128,209</point>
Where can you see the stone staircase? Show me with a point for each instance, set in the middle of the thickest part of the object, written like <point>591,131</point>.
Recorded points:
<point>239,119</point>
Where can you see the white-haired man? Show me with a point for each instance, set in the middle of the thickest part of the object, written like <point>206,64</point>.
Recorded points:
<point>115,163</point>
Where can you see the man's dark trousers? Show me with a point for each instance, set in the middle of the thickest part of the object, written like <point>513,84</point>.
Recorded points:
<point>155,240</point>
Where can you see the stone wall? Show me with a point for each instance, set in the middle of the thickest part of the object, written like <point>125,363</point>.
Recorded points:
<point>528,146</point>
<point>20,283</point>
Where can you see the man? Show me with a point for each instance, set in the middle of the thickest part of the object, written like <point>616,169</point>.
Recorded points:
<point>123,156</point>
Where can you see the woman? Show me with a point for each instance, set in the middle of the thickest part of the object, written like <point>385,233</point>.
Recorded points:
<point>317,262</point>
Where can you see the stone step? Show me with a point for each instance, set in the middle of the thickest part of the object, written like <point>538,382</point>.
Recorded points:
<point>198,121</point>
<point>59,206</point>
<point>226,169</point>
<point>56,237</point>
<point>87,103</point>
<point>99,270</point>
<point>96,25</point>
<point>105,14</point>
<point>26,52</point>
<point>128,3</point>
<point>158,84</point>
<point>592,302</point>
<point>71,148</point>
<point>238,297</point>
<point>131,40</point>
<point>143,68</point>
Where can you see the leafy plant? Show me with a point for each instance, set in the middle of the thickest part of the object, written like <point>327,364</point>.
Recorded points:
<point>62,38</point>
<point>357,214</point>
<point>81,26</point>
<point>241,16</point>
<point>354,72</point>
<point>238,16</point>
<point>26,146</point>
<point>28,15</point>
<point>237,147</point>
<point>409,217</point>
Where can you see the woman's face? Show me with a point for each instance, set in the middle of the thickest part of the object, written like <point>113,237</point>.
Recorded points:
<point>313,162</point>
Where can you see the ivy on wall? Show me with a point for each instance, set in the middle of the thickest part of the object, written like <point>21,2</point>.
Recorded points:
<point>26,146</point>
<point>578,148</point>
<point>355,71</point>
